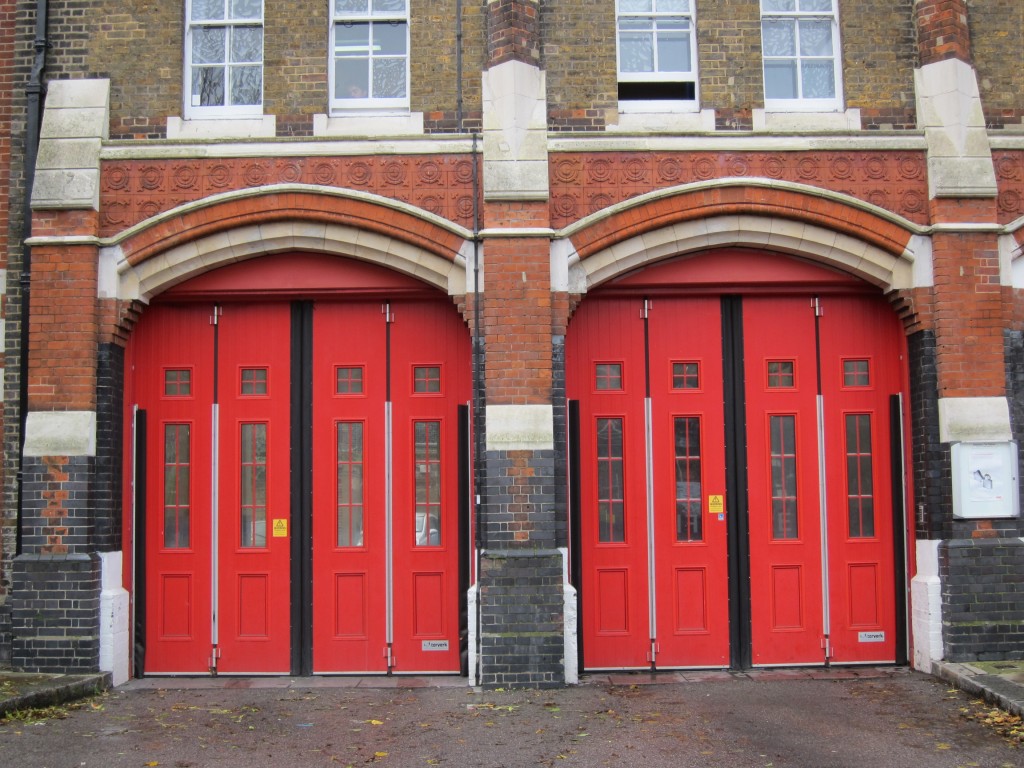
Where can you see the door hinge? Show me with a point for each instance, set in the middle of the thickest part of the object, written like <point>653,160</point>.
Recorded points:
<point>218,310</point>
<point>826,646</point>
<point>819,311</point>
<point>386,311</point>
<point>646,310</point>
<point>390,658</point>
<point>652,655</point>
<point>214,656</point>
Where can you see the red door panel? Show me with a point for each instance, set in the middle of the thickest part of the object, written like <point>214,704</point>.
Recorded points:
<point>782,472</point>
<point>171,358</point>
<point>254,389</point>
<point>349,541</point>
<point>691,550</point>
<point>430,354</point>
<point>605,345</point>
<point>860,352</point>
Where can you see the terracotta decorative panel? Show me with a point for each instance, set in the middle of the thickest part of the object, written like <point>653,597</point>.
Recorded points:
<point>1010,180</point>
<point>582,184</point>
<point>134,190</point>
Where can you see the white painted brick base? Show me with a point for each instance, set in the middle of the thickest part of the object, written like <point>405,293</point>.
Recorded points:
<point>926,607</point>
<point>114,635</point>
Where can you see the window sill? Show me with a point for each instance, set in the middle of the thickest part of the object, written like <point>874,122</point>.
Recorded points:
<point>665,121</point>
<point>775,121</point>
<point>368,124</point>
<point>222,128</point>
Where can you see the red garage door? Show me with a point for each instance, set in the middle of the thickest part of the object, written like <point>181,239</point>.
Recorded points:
<point>279,439</point>
<point>735,498</point>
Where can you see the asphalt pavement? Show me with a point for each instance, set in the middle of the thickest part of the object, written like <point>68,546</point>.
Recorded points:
<point>777,718</point>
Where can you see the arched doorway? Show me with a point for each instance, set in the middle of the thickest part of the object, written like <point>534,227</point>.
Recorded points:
<point>737,417</point>
<point>297,452</point>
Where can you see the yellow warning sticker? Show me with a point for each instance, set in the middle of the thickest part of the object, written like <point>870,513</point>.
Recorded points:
<point>280,527</point>
<point>716,505</point>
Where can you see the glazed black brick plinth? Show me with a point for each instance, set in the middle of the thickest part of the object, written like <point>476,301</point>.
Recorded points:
<point>982,599</point>
<point>55,613</point>
<point>521,619</point>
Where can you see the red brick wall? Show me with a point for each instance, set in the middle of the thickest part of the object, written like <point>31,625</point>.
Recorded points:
<point>942,31</point>
<point>63,329</point>
<point>513,32</point>
<point>971,308</point>
<point>517,307</point>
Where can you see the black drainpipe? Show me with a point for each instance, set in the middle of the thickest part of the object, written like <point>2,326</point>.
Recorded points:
<point>34,111</point>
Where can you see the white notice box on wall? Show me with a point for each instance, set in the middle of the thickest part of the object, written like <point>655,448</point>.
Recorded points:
<point>985,480</point>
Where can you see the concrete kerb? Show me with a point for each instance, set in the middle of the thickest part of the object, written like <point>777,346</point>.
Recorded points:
<point>27,690</point>
<point>1000,690</point>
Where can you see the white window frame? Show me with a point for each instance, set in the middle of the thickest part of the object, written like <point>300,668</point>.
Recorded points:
<point>194,110</point>
<point>688,76</point>
<point>369,104</point>
<point>800,104</point>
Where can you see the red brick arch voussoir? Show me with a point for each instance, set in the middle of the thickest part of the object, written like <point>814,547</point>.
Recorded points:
<point>253,210</point>
<point>732,201</point>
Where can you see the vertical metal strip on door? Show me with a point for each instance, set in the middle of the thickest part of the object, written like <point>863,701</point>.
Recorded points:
<point>652,598</point>
<point>214,494</point>
<point>826,619</point>
<point>389,558</point>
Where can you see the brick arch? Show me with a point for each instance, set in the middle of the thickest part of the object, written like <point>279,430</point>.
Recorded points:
<point>197,237</point>
<point>828,228</point>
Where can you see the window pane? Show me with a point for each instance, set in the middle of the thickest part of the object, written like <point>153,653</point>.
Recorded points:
<point>818,79</point>
<point>778,6</point>
<point>204,10</point>
<point>350,484</point>
<point>177,382</point>
<point>856,373</point>
<point>635,6</point>
<point>247,44</point>
<point>426,379</point>
<point>688,479</point>
<point>673,6</point>
<point>815,6</point>
<point>815,38</point>
<point>349,381</point>
<point>608,376</point>
<point>782,430</point>
<point>859,480</point>
<point>778,36</point>
<point>673,47</point>
<point>685,376</point>
<point>389,78</point>
<point>177,486</point>
<point>246,88</point>
<point>610,503</point>
<point>209,45</point>
<point>389,39</point>
<point>427,436</point>
<point>246,9</point>
<point>780,79</point>
<point>253,485</point>
<point>352,79</point>
<point>389,7</point>
<point>781,373</point>
<point>351,8</point>
<point>636,47</point>
<point>352,39</point>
